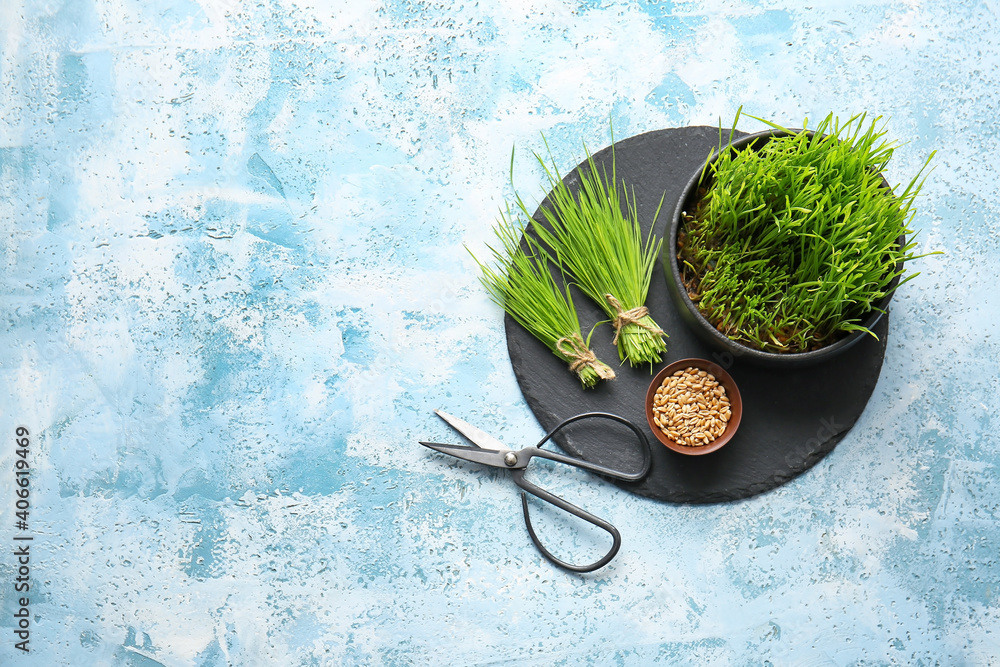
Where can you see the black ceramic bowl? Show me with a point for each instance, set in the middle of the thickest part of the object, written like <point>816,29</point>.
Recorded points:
<point>709,334</point>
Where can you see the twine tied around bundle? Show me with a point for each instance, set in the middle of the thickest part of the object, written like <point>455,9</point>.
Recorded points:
<point>625,317</point>
<point>581,356</point>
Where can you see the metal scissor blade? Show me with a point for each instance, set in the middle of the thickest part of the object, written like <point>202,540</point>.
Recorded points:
<point>474,454</point>
<point>478,436</point>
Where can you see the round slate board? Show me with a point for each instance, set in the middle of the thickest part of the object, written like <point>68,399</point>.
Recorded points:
<point>791,418</point>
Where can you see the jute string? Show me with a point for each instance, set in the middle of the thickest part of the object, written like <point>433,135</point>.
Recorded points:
<point>624,317</point>
<point>581,355</point>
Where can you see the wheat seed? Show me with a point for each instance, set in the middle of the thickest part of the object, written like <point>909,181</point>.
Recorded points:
<point>691,407</point>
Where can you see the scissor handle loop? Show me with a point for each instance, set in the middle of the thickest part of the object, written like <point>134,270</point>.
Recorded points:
<point>575,511</point>
<point>593,467</point>
<point>569,507</point>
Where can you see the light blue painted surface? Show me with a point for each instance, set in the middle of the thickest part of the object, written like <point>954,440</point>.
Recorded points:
<point>234,287</point>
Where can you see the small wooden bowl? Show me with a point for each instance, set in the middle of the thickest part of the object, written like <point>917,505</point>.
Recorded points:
<point>732,391</point>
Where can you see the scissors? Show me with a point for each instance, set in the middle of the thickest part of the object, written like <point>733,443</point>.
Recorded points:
<point>488,450</point>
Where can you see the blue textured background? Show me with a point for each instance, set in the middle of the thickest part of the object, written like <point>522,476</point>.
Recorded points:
<point>233,288</point>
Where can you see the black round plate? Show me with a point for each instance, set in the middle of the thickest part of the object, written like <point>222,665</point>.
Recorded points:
<point>791,418</point>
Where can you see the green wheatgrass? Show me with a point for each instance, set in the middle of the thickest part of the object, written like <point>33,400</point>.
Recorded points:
<point>522,284</point>
<point>603,250</point>
<point>792,245</point>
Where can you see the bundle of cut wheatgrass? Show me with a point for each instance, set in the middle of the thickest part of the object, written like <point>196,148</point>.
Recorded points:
<point>522,284</point>
<point>602,248</point>
<point>588,236</point>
